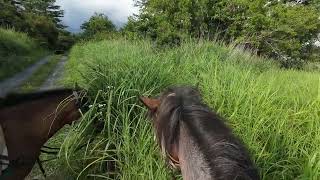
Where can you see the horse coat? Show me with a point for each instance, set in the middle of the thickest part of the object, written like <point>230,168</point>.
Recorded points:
<point>3,152</point>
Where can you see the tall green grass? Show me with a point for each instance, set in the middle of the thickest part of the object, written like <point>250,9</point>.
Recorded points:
<point>17,51</point>
<point>275,111</point>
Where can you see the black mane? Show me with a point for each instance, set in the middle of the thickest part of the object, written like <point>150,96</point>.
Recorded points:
<point>17,98</point>
<point>225,154</point>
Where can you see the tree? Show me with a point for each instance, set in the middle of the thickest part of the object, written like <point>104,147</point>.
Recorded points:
<point>46,8</point>
<point>96,24</point>
<point>283,31</point>
<point>10,14</point>
<point>279,29</point>
<point>38,18</point>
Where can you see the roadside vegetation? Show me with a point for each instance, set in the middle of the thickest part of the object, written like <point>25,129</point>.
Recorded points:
<point>255,62</point>
<point>40,75</point>
<point>17,51</point>
<point>39,19</point>
<point>274,111</point>
<point>29,30</point>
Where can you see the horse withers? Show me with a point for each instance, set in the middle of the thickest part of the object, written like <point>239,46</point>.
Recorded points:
<point>29,120</point>
<point>195,139</point>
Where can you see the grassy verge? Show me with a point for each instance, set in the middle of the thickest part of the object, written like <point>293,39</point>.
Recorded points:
<point>39,76</point>
<point>274,111</point>
<point>17,51</point>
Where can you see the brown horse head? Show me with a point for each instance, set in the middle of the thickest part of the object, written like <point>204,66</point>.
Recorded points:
<point>195,139</point>
<point>48,110</point>
<point>29,120</point>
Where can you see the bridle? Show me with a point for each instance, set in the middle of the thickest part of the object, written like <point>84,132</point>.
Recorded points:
<point>174,163</point>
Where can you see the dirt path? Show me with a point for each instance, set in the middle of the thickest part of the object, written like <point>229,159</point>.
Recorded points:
<point>10,84</point>
<point>51,82</point>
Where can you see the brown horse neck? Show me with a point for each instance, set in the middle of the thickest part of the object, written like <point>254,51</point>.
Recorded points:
<point>39,119</point>
<point>63,113</point>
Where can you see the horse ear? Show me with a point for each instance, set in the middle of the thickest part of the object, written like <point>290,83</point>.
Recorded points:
<point>151,104</point>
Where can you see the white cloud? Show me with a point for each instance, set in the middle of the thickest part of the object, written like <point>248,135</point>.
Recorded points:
<point>78,11</point>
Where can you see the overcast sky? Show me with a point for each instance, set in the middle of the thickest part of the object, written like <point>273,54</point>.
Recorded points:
<point>78,11</point>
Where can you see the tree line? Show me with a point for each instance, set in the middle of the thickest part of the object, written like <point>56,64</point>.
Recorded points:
<point>40,19</point>
<point>285,30</point>
<point>282,29</point>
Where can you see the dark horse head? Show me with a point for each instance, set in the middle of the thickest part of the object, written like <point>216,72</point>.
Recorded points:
<point>195,139</point>
<point>29,120</point>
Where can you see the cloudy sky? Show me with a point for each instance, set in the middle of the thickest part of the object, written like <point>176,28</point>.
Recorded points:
<point>78,11</point>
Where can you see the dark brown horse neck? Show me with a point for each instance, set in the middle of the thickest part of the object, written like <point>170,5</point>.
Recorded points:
<point>29,120</point>
<point>191,133</point>
<point>41,114</point>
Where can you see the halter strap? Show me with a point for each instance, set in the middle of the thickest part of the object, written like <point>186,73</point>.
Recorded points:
<point>172,161</point>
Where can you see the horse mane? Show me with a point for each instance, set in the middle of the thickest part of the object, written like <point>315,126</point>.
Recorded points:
<point>17,98</point>
<point>224,153</point>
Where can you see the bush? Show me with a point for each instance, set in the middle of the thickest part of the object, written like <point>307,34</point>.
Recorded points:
<point>17,51</point>
<point>15,43</point>
<point>98,23</point>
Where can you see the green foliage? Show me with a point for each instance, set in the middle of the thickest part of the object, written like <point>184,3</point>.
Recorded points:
<point>45,31</point>
<point>38,18</point>
<point>46,8</point>
<point>286,33</point>
<point>12,42</point>
<point>17,51</point>
<point>65,41</point>
<point>98,23</point>
<point>260,101</point>
<point>10,15</point>
<point>283,30</point>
